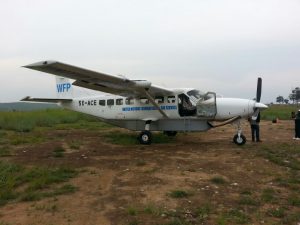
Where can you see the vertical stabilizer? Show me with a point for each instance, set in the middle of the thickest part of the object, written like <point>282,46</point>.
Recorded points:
<point>64,88</point>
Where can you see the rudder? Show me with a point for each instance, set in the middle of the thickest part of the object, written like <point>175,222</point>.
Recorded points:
<point>64,88</point>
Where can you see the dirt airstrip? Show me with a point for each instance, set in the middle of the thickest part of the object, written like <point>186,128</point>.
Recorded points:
<point>199,178</point>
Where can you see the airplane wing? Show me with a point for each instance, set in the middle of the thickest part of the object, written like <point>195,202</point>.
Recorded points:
<point>117,85</point>
<point>48,100</point>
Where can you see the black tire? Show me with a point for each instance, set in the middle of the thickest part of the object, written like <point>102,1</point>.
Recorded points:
<point>239,140</point>
<point>170,133</point>
<point>145,137</point>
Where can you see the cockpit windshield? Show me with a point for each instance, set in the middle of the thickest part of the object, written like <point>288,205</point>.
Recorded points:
<point>195,93</point>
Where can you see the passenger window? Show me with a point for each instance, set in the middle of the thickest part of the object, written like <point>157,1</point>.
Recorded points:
<point>159,99</point>
<point>171,99</point>
<point>129,101</point>
<point>102,102</point>
<point>110,102</point>
<point>119,101</point>
<point>144,100</point>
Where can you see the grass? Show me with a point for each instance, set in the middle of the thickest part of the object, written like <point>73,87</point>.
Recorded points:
<point>248,200</point>
<point>292,218</point>
<point>178,221</point>
<point>140,162</point>
<point>203,212</point>
<point>4,223</point>
<point>283,155</point>
<point>27,121</point>
<point>291,181</point>
<point>19,139</point>
<point>5,151</point>
<point>75,144</point>
<point>268,195</point>
<point>132,211</point>
<point>152,210</point>
<point>83,124</point>
<point>179,194</point>
<point>33,196</point>
<point>58,152</point>
<point>134,222</point>
<point>122,138</point>
<point>246,192</point>
<point>29,184</point>
<point>294,200</point>
<point>277,212</point>
<point>218,180</point>
<point>179,216</point>
<point>282,112</point>
<point>233,216</point>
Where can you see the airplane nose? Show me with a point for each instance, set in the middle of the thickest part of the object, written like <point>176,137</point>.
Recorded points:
<point>260,106</point>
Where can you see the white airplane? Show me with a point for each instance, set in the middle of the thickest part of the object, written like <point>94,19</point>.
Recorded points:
<point>140,106</point>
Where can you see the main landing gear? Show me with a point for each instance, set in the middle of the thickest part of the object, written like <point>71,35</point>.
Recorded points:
<point>239,138</point>
<point>145,136</point>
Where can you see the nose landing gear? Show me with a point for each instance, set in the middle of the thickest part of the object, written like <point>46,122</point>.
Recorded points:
<point>239,138</point>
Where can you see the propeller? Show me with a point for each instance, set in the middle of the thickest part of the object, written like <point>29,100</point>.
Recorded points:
<point>258,96</point>
<point>258,90</point>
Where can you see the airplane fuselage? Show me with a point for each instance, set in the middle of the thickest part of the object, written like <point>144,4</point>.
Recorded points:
<point>132,113</point>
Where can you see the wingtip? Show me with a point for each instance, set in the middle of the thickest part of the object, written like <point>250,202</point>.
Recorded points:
<point>39,64</point>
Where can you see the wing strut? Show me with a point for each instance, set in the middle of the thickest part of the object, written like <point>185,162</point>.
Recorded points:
<point>151,99</point>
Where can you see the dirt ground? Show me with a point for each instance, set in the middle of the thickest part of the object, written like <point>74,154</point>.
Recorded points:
<point>133,184</point>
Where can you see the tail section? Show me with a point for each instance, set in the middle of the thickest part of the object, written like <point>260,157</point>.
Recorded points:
<point>64,88</point>
<point>64,91</point>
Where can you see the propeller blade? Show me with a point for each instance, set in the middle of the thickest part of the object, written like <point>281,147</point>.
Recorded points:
<point>258,90</point>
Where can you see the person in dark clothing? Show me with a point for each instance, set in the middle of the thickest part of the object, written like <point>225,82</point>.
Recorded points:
<point>255,128</point>
<point>297,126</point>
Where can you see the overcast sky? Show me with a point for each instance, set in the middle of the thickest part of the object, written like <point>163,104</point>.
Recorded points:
<point>212,45</point>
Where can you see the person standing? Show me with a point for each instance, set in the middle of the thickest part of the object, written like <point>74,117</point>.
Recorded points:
<point>254,122</point>
<point>297,126</point>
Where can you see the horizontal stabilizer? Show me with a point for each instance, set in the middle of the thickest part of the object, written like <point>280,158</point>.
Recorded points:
<point>48,100</point>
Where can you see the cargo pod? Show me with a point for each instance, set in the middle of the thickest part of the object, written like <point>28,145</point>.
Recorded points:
<point>206,106</point>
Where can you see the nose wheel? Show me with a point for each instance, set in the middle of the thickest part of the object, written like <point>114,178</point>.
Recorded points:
<point>239,138</point>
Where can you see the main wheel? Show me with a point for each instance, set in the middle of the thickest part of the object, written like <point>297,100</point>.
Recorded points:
<point>239,140</point>
<point>170,133</point>
<point>145,137</point>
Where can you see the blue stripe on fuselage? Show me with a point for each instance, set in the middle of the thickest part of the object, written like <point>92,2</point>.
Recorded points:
<point>149,108</point>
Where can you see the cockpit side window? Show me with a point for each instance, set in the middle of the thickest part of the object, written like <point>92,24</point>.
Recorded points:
<point>195,93</point>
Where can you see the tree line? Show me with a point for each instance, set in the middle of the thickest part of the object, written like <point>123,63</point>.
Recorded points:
<point>294,97</point>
